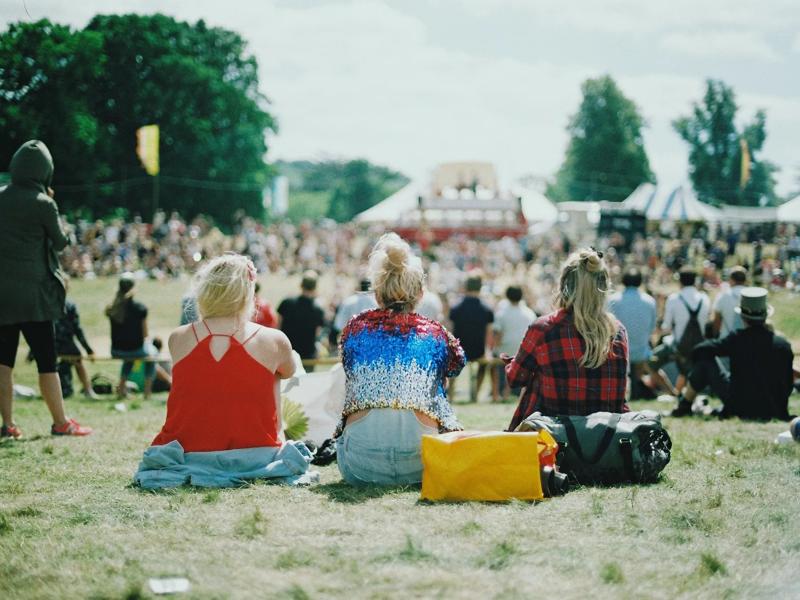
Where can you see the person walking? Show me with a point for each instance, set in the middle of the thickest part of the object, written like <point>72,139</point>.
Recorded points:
<point>32,292</point>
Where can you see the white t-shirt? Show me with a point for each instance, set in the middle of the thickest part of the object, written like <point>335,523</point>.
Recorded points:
<point>430,306</point>
<point>512,323</point>
<point>724,304</point>
<point>676,315</point>
<point>351,306</point>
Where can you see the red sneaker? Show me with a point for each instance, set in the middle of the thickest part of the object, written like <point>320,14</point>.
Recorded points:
<point>71,427</point>
<point>11,431</point>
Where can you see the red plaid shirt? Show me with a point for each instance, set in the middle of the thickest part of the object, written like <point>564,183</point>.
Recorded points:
<point>547,366</point>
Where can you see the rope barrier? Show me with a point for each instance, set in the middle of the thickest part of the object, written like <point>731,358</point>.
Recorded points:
<point>307,362</point>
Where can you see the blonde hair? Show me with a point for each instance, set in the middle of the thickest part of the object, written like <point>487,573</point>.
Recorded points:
<point>583,288</point>
<point>396,273</point>
<point>225,287</point>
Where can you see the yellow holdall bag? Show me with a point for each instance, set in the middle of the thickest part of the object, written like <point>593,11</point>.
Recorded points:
<point>484,465</point>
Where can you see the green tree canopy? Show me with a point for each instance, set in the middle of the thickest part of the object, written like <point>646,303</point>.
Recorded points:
<point>605,158</point>
<point>85,93</point>
<point>335,188</point>
<point>715,150</point>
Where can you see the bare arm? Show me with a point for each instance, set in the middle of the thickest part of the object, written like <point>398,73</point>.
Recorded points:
<point>144,328</point>
<point>286,366</point>
<point>716,323</point>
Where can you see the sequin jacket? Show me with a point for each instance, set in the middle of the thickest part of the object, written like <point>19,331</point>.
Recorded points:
<point>399,360</point>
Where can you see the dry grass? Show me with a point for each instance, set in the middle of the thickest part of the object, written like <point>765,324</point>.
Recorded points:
<point>723,522</point>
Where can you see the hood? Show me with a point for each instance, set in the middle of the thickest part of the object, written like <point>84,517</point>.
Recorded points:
<point>32,164</point>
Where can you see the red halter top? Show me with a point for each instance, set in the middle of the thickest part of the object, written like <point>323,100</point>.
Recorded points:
<point>220,404</point>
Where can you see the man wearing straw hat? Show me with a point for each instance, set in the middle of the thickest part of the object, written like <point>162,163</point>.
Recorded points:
<point>761,376</point>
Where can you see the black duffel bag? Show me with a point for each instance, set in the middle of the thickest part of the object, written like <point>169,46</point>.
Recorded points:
<point>607,447</point>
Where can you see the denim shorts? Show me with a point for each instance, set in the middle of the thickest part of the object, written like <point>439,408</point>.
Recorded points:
<point>382,448</point>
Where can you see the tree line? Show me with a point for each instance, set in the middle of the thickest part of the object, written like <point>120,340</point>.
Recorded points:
<point>86,92</point>
<point>606,157</point>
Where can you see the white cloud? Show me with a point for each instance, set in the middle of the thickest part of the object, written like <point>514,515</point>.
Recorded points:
<point>638,17</point>
<point>720,45</point>
<point>364,78</point>
<point>796,43</point>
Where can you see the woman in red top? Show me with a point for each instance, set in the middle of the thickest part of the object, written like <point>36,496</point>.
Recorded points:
<point>573,361</point>
<point>226,369</point>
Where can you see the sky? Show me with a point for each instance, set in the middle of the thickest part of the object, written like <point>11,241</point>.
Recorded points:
<point>412,83</point>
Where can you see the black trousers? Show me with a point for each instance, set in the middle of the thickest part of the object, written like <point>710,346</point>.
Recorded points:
<point>711,375</point>
<point>41,338</point>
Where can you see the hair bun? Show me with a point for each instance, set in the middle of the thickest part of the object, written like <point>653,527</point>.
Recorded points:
<point>396,256</point>
<point>593,262</point>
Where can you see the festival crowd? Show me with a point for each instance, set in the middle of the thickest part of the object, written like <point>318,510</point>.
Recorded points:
<point>405,332</point>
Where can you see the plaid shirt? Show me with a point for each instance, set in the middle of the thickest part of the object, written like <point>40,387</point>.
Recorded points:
<point>547,366</point>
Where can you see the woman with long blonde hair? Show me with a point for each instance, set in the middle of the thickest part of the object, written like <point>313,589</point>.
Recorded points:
<point>573,361</point>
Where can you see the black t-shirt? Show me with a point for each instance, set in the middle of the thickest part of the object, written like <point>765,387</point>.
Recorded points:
<point>300,318</point>
<point>128,335</point>
<point>470,318</point>
<point>761,371</point>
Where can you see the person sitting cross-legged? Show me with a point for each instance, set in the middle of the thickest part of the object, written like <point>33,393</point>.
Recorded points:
<point>396,365</point>
<point>761,377</point>
<point>223,420</point>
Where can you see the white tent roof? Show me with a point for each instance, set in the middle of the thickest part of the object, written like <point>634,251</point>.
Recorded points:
<point>681,204</point>
<point>536,207</point>
<point>400,205</point>
<point>642,197</point>
<point>392,208</point>
<point>749,214</point>
<point>790,211</point>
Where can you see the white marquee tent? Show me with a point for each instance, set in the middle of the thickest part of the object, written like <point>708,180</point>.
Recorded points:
<point>790,211</point>
<point>681,204</point>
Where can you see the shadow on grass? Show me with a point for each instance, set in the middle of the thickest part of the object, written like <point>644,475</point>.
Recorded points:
<point>348,494</point>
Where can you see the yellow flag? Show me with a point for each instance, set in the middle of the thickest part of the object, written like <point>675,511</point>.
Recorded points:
<point>744,176</point>
<point>147,148</point>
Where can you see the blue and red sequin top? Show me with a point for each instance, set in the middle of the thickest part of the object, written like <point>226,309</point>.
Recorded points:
<point>400,360</point>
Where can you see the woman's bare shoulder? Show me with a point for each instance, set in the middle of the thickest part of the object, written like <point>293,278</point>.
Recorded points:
<point>181,341</point>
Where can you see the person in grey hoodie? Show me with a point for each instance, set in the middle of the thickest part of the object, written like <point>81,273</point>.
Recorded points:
<point>32,292</point>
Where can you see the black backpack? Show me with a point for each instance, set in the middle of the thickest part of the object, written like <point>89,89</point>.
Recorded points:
<point>607,447</point>
<point>692,335</point>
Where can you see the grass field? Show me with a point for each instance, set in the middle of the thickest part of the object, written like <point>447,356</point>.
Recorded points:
<point>722,523</point>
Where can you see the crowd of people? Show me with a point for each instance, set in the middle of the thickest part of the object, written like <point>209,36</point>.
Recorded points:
<point>415,321</point>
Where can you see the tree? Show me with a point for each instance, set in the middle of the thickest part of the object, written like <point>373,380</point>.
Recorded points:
<point>197,83</point>
<point>605,158</point>
<point>335,188</point>
<point>715,150</point>
<point>47,73</point>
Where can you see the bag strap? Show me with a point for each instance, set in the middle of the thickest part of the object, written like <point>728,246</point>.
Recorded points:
<point>602,447</point>
<point>626,450</point>
<point>696,311</point>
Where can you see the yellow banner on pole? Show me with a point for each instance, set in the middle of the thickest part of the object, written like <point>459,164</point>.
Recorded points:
<point>147,148</point>
<point>744,175</point>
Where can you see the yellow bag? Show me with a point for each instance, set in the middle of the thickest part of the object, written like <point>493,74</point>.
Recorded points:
<point>484,465</point>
